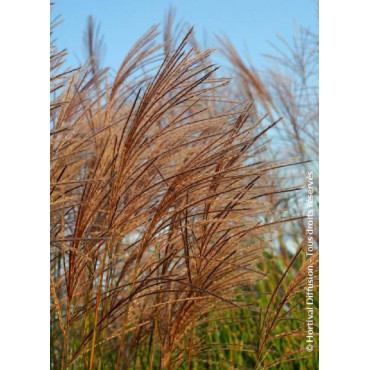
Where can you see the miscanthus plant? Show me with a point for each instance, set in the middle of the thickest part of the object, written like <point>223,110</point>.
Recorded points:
<point>161,213</point>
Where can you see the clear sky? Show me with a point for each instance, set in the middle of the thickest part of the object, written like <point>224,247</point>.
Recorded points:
<point>249,24</point>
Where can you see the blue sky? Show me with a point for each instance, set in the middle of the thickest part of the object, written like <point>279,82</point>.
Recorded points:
<point>250,24</point>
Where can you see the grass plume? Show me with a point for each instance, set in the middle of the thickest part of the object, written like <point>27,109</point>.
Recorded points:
<point>161,208</point>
